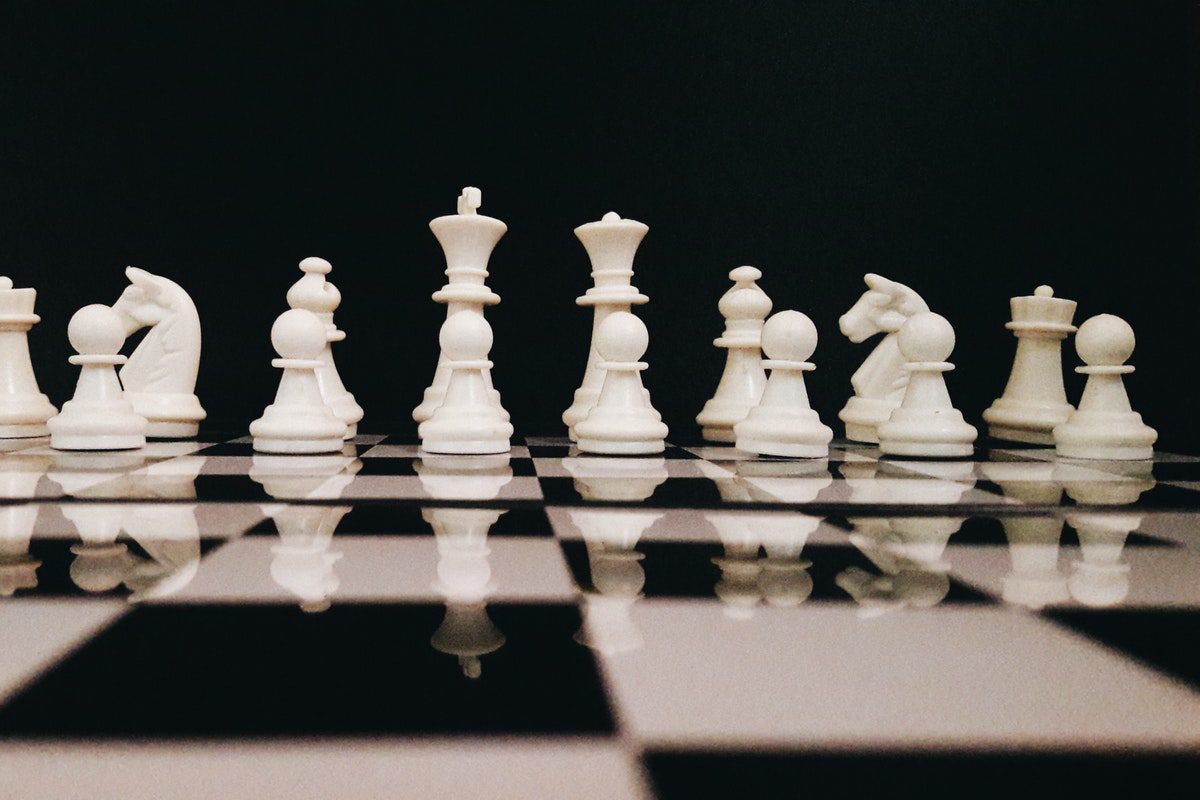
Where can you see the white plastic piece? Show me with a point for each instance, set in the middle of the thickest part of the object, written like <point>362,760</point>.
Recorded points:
<point>1105,426</point>
<point>880,382</point>
<point>744,307</point>
<point>299,421</point>
<point>98,417</point>
<point>160,376</point>
<point>23,408</point>
<point>611,244</point>
<point>927,424</point>
<point>622,421</point>
<point>467,421</point>
<point>783,423</point>
<point>1034,399</point>
<point>468,239</point>
<point>315,293</point>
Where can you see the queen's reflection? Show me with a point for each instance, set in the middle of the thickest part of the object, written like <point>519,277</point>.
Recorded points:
<point>303,561</point>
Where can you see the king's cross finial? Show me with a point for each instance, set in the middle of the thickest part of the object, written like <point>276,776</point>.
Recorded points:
<point>470,200</point>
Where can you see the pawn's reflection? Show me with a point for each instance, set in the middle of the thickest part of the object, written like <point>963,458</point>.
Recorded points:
<point>780,578</point>
<point>617,577</point>
<point>303,560</point>
<point>464,579</point>
<point>609,478</point>
<point>18,569</point>
<point>449,477</point>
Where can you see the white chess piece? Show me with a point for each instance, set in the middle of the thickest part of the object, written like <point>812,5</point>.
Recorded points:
<point>160,377</point>
<point>880,382</point>
<point>783,423</point>
<point>467,421</point>
<point>744,307</point>
<point>23,408</point>
<point>315,293</point>
<point>611,244</point>
<point>299,421</point>
<point>467,238</point>
<point>927,423</point>
<point>1034,400</point>
<point>1105,426</point>
<point>98,417</point>
<point>622,421</point>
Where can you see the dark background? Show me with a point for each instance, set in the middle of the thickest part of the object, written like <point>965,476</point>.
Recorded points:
<point>970,150</point>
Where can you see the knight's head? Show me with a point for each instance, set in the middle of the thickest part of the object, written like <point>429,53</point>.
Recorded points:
<point>143,302</point>
<point>882,308</point>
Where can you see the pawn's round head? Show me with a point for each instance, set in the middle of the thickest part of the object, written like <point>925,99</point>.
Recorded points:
<point>315,264</point>
<point>466,336</point>
<point>926,337</point>
<point>1104,340</point>
<point>96,330</point>
<point>789,336</point>
<point>6,283</point>
<point>298,334</point>
<point>622,337</point>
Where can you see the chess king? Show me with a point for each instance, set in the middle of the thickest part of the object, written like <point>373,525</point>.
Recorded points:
<point>160,377</point>
<point>880,382</point>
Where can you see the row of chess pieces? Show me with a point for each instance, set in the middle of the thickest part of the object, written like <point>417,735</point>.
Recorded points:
<point>900,396</point>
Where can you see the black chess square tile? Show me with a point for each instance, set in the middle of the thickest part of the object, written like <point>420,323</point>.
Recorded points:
<point>385,519</point>
<point>1166,639</point>
<point>1177,471</point>
<point>408,440</point>
<point>219,672</point>
<point>918,775</point>
<point>671,493</point>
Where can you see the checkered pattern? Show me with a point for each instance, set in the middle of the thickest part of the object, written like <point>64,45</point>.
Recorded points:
<point>549,624</point>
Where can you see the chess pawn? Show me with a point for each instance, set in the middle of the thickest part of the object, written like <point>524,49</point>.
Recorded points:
<point>783,423</point>
<point>23,408</point>
<point>98,417</point>
<point>468,421</point>
<point>1034,400</point>
<point>299,421</point>
<point>611,244</point>
<point>1104,426</point>
<point>315,293</point>
<point>744,307</point>
<point>467,239</point>
<point>622,422</point>
<point>927,423</point>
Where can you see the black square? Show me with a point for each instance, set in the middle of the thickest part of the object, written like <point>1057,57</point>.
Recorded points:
<point>1166,639</point>
<point>354,670</point>
<point>671,493</point>
<point>389,519</point>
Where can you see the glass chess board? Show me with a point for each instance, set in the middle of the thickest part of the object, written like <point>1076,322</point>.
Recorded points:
<point>194,620</point>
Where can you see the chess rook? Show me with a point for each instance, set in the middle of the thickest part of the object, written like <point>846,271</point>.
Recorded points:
<point>610,244</point>
<point>299,421</point>
<point>880,382</point>
<point>98,417</point>
<point>1034,400</point>
<point>744,308</point>
<point>315,293</point>
<point>783,423</point>
<point>622,421</point>
<point>1105,426</point>
<point>468,420</point>
<point>467,239</point>
<point>24,410</point>
<point>927,423</point>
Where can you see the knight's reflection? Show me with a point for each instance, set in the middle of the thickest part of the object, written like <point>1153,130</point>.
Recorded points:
<point>611,536</point>
<point>167,533</point>
<point>303,560</point>
<point>464,580</point>
<point>907,551</point>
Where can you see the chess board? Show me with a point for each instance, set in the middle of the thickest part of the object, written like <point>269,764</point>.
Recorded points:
<point>192,620</point>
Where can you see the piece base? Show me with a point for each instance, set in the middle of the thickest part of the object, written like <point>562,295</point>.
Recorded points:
<point>477,447</point>
<point>1025,436</point>
<point>856,432</point>
<point>606,447</point>
<point>927,449</point>
<point>297,446</point>
<point>24,431</point>
<point>784,449</point>
<point>60,441</point>
<point>1104,453</point>
<point>165,429</point>
<point>725,435</point>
